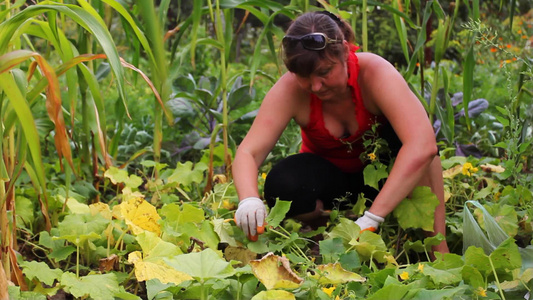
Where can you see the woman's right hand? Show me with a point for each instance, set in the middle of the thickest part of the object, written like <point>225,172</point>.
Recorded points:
<point>250,216</point>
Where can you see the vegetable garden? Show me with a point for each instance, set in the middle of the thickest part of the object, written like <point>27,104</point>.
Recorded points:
<point>120,120</point>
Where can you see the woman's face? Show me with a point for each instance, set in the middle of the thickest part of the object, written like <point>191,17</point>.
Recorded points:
<point>328,81</point>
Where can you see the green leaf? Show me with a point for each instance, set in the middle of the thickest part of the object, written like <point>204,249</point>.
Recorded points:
<point>453,293</point>
<point>76,207</point>
<point>506,256</point>
<point>331,249</point>
<point>25,116</point>
<point>155,248</point>
<point>15,293</point>
<point>476,258</point>
<point>40,271</point>
<point>422,204</point>
<point>472,277</point>
<point>274,294</point>
<point>278,212</point>
<point>202,265</point>
<point>101,286</point>
<point>350,261</point>
<point>176,215</point>
<point>371,245</point>
<point>443,277</point>
<point>62,253</point>
<point>205,233</point>
<point>448,261</point>
<point>374,173</point>
<point>185,174</point>
<point>24,208</point>
<point>224,231</point>
<point>468,82</point>
<point>117,175</point>
<point>154,287</point>
<point>416,246</point>
<point>391,292</point>
<point>347,230</point>
<point>82,227</point>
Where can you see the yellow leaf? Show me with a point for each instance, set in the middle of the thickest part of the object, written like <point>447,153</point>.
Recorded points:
<point>447,195</point>
<point>335,274</point>
<point>492,168</point>
<point>239,254</point>
<point>274,295</point>
<point>451,172</point>
<point>146,270</point>
<point>275,272</point>
<point>102,209</point>
<point>140,216</point>
<point>76,207</point>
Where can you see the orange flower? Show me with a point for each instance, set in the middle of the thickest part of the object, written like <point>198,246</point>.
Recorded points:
<point>493,49</point>
<point>508,46</point>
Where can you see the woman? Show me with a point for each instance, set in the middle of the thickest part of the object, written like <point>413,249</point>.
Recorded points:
<point>335,95</point>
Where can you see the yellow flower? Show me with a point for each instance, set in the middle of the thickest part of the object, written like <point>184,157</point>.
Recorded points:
<point>468,169</point>
<point>404,275</point>
<point>371,156</point>
<point>481,292</point>
<point>497,196</point>
<point>390,259</point>
<point>264,176</point>
<point>329,290</point>
<point>421,268</point>
<point>227,204</point>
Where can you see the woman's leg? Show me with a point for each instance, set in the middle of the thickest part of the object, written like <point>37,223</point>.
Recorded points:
<point>435,182</point>
<point>309,181</point>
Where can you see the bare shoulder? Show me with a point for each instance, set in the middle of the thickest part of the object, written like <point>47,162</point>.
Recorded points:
<point>286,96</point>
<point>381,84</point>
<point>372,66</point>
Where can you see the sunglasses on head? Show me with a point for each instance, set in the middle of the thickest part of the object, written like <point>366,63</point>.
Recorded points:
<point>313,41</point>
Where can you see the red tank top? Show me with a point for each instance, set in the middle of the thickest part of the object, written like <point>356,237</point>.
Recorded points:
<point>345,152</point>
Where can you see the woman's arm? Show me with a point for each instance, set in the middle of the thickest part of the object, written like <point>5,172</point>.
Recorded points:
<point>278,108</point>
<point>386,92</point>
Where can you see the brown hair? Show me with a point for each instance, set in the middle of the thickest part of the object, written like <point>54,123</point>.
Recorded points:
<point>303,62</point>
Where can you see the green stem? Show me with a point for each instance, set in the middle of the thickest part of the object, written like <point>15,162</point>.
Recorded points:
<point>434,90</point>
<point>120,239</point>
<point>202,290</point>
<point>365,26</point>
<point>279,233</point>
<point>497,280</point>
<point>78,260</point>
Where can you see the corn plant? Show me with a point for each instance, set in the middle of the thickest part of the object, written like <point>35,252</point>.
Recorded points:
<point>25,74</point>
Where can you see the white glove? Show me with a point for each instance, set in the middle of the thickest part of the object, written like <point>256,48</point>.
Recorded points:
<point>250,215</point>
<point>369,221</point>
